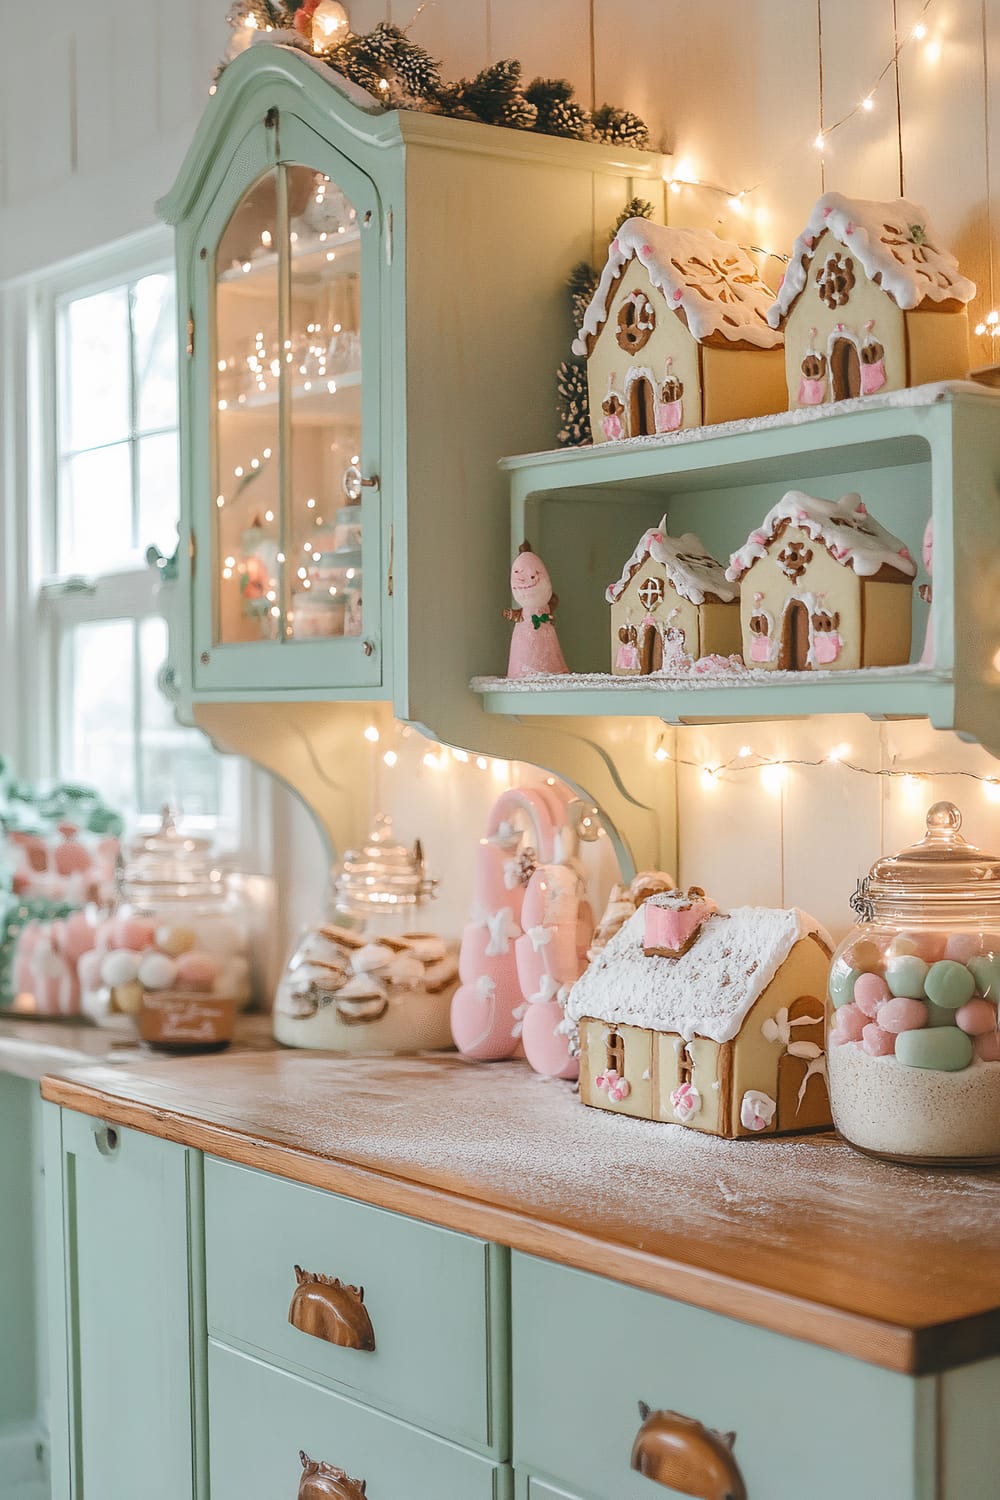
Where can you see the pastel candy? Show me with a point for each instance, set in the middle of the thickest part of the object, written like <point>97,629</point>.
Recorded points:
<point>119,967</point>
<point>864,954</point>
<point>175,940</point>
<point>902,943</point>
<point>948,984</point>
<point>987,1047</point>
<point>986,972</point>
<point>877,1042</point>
<point>196,971</point>
<point>942,1047</point>
<point>976,1017</point>
<point>135,933</point>
<point>926,945</point>
<point>128,997</point>
<point>902,1015</point>
<point>842,983</point>
<point>939,1015</point>
<point>849,1023</point>
<point>157,971</point>
<point>870,991</point>
<point>962,946</point>
<point>905,975</point>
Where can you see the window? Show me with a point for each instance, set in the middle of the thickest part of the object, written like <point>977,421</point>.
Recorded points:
<point>106,489</point>
<point>616,1053</point>
<point>686,1065</point>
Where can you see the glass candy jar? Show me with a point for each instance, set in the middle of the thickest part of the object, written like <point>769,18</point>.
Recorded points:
<point>368,980</point>
<point>913,1047</point>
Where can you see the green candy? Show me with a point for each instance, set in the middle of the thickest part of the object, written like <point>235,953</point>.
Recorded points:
<point>842,983</point>
<point>939,1015</point>
<point>942,1047</point>
<point>948,984</point>
<point>986,973</point>
<point>905,976</point>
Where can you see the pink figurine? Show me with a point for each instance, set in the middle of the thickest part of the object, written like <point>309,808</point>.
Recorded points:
<point>926,592</point>
<point>812,386</point>
<point>534,646</point>
<point>872,362</point>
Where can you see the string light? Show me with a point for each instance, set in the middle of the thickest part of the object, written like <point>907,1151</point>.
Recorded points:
<point>372,735</point>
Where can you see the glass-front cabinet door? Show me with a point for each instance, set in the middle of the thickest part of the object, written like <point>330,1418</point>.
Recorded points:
<point>287,588</point>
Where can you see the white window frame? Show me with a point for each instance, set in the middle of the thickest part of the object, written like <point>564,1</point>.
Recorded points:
<point>40,606</point>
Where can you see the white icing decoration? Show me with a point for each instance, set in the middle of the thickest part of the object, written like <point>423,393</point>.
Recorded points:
<point>548,989</point>
<point>692,571</point>
<point>686,1102</point>
<point>778,1028</point>
<point>711,282</point>
<point>539,937</point>
<point>804,1049</point>
<point>502,928</point>
<point>757,1110</point>
<point>646,1075</point>
<point>708,991</point>
<point>912,268</point>
<point>816,1065</point>
<point>835,524</point>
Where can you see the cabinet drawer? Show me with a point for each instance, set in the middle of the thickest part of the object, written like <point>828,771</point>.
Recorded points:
<point>435,1300</point>
<point>262,1419</point>
<point>808,1422</point>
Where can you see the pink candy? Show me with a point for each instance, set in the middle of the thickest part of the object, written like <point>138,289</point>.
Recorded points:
<point>848,1024</point>
<point>976,1017</point>
<point>962,946</point>
<point>196,971</point>
<point>135,933</point>
<point>871,991</point>
<point>901,1015</point>
<point>987,1047</point>
<point>877,1042</point>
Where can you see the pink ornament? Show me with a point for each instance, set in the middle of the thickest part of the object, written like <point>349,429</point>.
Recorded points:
<point>849,1023</point>
<point>976,1017</point>
<point>877,1042</point>
<point>901,1014</point>
<point>870,991</point>
<point>545,1046</point>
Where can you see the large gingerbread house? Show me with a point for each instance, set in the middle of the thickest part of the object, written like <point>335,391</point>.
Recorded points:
<point>727,1037</point>
<point>870,302</point>
<point>676,334</point>
<point>671,605</point>
<point>823,586</point>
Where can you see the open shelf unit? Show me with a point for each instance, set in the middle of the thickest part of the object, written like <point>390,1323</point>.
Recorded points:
<point>932,450</point>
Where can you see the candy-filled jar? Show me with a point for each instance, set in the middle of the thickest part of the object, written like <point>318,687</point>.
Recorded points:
<point>913,1047</point>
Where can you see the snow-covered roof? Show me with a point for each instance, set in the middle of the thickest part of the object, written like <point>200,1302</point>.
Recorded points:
<point>706,992</point>
<point>694,572</point>
<point>710,283</point>
<point>843,526</point>
<point>896,245</point>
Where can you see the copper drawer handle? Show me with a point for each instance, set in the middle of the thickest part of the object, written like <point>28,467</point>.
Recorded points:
<point>330,1309</point>
<point>682,1454</point>
<point>322,1481</point>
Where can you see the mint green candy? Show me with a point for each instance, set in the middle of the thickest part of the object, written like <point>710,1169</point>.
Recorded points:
<point>942,1047</point>
<point>986,973</point>
<point>905,975</point>
<point>939,1015</point>
<point>948,984</point>
<point>842,983</point>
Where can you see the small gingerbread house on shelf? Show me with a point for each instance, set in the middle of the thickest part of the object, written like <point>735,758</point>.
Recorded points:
<point>671,605</point>
<point>823,586</point>
<point>726,1037</point>
<point>676,335</point>
<point>870,301</point>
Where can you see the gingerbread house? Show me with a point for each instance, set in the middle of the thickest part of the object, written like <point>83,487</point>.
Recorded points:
<point>676,334</point>
<point>823,586</point>
<point>871,301</point>
<point>671,605</point>
<point>726,1037</point>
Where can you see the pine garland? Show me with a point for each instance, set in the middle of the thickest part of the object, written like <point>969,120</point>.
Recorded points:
<point>635,208</point>
<point>558,113</point>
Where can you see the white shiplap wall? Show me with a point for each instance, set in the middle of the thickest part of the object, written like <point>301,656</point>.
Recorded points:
<point>98,101</point>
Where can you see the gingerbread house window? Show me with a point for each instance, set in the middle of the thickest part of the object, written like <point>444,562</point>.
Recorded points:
<point>616,1053</point>
<point>686,1068</point>
<point>651,592</point>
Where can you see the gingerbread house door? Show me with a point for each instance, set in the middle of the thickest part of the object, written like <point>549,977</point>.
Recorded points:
<point>651,651</point>
<point>802,1094</point>
<point>794,655</point>
<point>845,369</point>
<point>641,408</point>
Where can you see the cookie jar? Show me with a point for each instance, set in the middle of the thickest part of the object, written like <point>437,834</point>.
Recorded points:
<point>369,980</point>
<point>913,1045</point>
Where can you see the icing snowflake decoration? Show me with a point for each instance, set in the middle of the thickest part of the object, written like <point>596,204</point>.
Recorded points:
<point>502,928</point>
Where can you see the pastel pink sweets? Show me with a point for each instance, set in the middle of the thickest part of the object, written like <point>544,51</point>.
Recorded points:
<point>876,1041</point>
<point>871,991</point>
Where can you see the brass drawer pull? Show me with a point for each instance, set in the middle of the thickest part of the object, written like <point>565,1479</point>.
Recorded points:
<point>330,1309</point>
<point>682,1454</point>
<point>324,1482</point>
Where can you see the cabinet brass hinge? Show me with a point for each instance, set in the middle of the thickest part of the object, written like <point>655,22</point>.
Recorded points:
<point>190,337</point>
<point>392,555</point>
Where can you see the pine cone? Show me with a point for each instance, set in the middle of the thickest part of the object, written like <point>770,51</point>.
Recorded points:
<point>417,71</point>
<point>382,42</point>
<point>546,92</point>
<point>620,127</point>
<point>573,404</point>
<point>635,208</point>
<point>518,113</point>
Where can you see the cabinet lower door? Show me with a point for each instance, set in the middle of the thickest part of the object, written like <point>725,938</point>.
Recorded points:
<point>126,1312</point>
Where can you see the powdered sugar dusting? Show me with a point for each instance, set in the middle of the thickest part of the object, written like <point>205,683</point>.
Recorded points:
<point>843,526</point>
<point>708,990</point>
<point>726,676</point>
<point>692,570</point>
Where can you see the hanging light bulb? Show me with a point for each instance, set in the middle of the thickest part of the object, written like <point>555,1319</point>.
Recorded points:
<point>330,22</point>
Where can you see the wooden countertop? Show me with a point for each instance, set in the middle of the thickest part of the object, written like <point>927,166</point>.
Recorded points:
<point>31,1048</point>
<point>894,1265</point>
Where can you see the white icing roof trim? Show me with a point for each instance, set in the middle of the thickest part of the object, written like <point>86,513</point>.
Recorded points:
<point>713,282</point>
<point>895,244</point>
<point>693,571</point>
<point>708,991</point>
<point>844,526</point>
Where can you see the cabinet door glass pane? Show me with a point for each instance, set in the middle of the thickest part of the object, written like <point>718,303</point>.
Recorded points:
<point>323,361</point>
<point>247,357</point>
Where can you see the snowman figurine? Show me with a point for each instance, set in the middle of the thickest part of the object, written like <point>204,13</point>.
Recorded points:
<point>534,646</point>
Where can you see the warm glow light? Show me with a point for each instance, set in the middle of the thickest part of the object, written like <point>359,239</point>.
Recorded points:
<point>230,562</point>
<point>685,172</point>
<point>432,762</point>
<point>868,102</point>
<point>839,752</point>
<point>996,660</point>
<point>482,762</point>
<point>932,51</point>
<point>991,790</point>
<point>269,515</point>
<point>390,757</point>
<point>461,755</point>
<point>820,141</point>
<point>708,776</point>
<point>919,31</point>
<point>499,770</point>
<point>772,779</point>
<point>745,752</point>
<point>372,735</point>
<point>660,754</point>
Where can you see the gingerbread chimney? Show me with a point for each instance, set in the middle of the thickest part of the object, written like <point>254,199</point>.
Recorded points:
<point>673,921</point>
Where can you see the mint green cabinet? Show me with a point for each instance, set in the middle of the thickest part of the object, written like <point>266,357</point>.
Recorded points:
<point>23,1447</point>
<point>126,1313</point>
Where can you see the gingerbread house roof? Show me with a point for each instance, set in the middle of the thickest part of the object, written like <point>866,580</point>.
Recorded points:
<point>711,284</point>
<point>694,573</point>
<point>706,992</point>
<point>895,244</point>
<point>843,526</point>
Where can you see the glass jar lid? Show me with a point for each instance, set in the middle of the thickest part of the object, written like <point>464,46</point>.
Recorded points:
<point>169,866</point>
<point>383,876</point>
<point>942,876</point>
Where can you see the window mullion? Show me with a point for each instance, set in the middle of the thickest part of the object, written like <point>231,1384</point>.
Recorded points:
<point>137,766</point>
<point>133,418</point>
